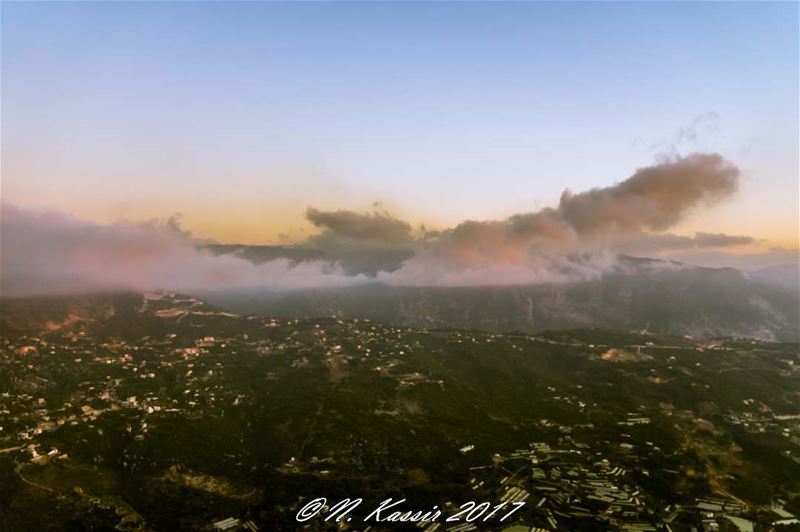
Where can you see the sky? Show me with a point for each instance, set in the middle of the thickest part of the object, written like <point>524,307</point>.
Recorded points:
<point>239,117</point>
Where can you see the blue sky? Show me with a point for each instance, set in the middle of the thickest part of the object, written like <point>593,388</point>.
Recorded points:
<point>240,115</point>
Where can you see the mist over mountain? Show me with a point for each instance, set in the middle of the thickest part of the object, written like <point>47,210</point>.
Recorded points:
<point>352,262</point>
<point>639,294</point>
<point>785,276</point>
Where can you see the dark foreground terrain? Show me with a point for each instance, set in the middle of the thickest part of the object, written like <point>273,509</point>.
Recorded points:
<point>160,412</point>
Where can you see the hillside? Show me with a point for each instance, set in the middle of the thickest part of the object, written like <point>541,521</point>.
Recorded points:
<point>160,412</point>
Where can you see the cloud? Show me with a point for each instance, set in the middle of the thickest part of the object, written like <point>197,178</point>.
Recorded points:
<point>654,198</point>
<point>746,261</point>
<point>660,243</point>
<point>575,240</point>
<point>541,268</point>
<point>615,218</point>
<point>48,252</point>
<point>344,226</point>
<point>650,244</point>
<point>579,239</point>
<point>719,240</point>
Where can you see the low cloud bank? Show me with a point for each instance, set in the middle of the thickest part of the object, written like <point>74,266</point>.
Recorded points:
<point>46,252</point>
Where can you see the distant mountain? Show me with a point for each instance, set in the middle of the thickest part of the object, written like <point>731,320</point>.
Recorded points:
<point>265,253</point>
<point>656,296</point>
<point>353,261</point>
<point>782,275</point>
<point>643,294</point>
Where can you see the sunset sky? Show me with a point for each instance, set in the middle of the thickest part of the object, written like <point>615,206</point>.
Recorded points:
<point>240,116</point>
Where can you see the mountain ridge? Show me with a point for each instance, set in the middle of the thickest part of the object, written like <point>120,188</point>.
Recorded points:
<point>645,294</point>
<point>649,295</point>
